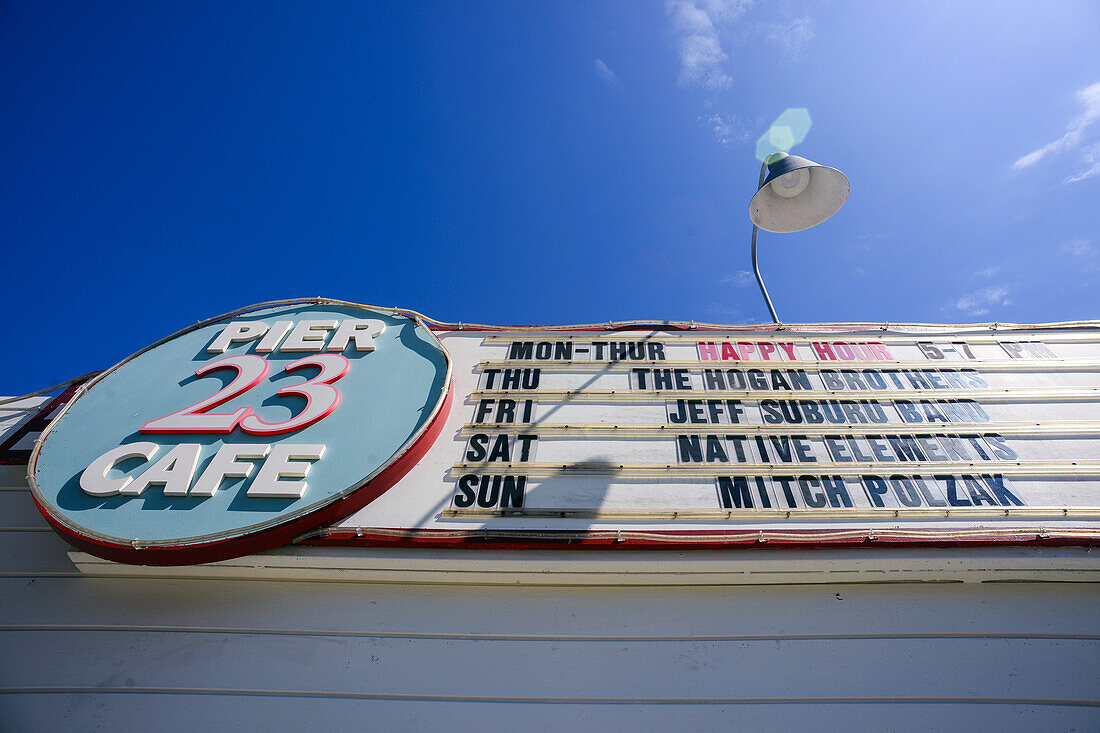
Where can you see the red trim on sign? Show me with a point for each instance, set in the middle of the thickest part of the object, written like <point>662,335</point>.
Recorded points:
<point>686,539</point>
<point>550,330</point>
<point>750,328</point>
<point>276,536</point>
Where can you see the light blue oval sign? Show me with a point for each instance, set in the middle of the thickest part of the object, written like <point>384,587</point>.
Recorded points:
<point>242,432</point>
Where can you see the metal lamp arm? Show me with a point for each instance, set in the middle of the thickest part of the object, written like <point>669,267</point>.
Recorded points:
<point>755,266</point>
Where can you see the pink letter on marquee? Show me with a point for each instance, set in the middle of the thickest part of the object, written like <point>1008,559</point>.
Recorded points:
<point>880,351</point>
<point>843,350</point>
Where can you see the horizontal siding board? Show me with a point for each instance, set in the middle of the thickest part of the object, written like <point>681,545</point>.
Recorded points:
<point>639,568</point>
<point>27,553</point>
<point>611,670</point>
<point>391,648</point>
<point>420,657</point>
<point>14,478</point>
<point>18,510</point>
<point>128,710</point>
<point>660,612</point>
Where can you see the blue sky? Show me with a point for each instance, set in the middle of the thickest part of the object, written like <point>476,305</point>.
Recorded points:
<point>552,162</point>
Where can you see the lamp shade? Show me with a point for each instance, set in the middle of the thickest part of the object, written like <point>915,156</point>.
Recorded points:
<point>797,194</point>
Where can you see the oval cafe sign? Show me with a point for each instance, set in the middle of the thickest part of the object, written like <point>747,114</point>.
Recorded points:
<point>241,432</point>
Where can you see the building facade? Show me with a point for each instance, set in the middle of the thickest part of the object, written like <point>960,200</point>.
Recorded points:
<point>602,526</point>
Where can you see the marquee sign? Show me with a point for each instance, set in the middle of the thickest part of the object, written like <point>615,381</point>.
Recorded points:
<point>241,432</point>
<point>328,423</point>
<point>687,435</point>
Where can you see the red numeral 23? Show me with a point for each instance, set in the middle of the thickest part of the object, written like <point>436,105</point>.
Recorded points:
<point>321,398</point>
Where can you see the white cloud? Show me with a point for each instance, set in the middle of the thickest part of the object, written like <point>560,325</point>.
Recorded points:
<point>739,279</point>
<point>979,302</point>
<point>1089,97</point>
<point>700,27</point>
<point>1093,171</point>
<point>1078,248</point>
<point>696,25</point>
<point>729,131</point>
<point>728,313</point>
<point>791,36</point>
<point>1091,155</point>
<point>988,272</point>
<point>605,73</point>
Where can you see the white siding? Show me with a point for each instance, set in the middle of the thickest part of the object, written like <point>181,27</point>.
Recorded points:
<point>155,653</point>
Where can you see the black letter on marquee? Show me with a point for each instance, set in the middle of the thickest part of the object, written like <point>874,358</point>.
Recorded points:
<point>715,451</point>
<point>466,485</point>
<point>520,350</point>
<point>952,497</point>
<point>512,493</point>
<point>476,451</point>
<point>734,494</point>
<point>501,450</point>
<point>525,446</point>
<point>996,484</point>
<point>875,487</point>
<point>690,449</point>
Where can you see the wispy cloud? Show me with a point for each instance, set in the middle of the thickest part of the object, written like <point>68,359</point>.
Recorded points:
<point>702,30</point>
<point>1089,97</point>
<point>739,279</point>
<point>988,272</point>
<point>1078,248</point>
<point>728,314</point>
<point>1091,154</point>
<point>979,302</point>
<point>791,36</point>
<point>696,25</point>
<point>729,130</point>
<point>605,73</point>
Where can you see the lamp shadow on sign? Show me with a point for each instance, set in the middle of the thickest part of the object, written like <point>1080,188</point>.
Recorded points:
<point>588,471</point>
<point>579,489</point>
<point>576,492</point>
<point>433,513</point>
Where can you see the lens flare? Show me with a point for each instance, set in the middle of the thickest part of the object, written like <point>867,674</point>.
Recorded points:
<point>788,130</point>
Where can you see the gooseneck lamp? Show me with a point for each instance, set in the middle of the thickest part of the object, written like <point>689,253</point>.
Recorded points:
<point>793,194</point>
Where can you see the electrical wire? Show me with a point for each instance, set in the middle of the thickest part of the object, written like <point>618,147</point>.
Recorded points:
<point>63,385</point>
